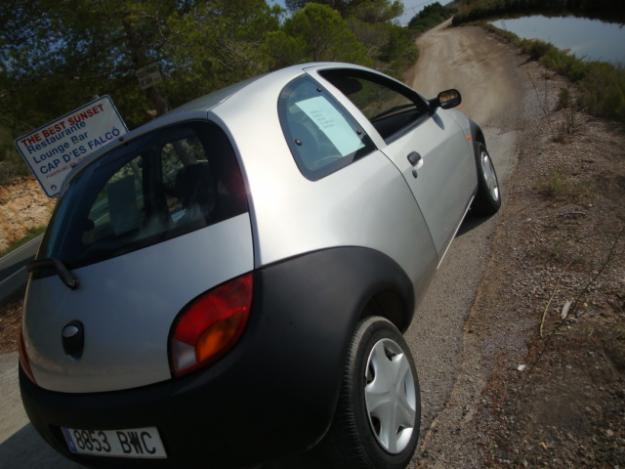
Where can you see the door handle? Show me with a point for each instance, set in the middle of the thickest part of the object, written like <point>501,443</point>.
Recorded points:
<point>415,159</point>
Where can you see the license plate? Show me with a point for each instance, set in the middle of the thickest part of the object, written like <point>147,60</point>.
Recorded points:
<point>127,443</point>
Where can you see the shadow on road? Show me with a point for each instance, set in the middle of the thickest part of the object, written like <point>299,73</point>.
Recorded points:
<point>25,449</point>
<point>471,222</point>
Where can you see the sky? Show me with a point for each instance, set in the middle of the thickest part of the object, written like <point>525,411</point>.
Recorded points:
<point>411,8</point>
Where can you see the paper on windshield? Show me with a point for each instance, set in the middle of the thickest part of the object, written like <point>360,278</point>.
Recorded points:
<point>332,123</point>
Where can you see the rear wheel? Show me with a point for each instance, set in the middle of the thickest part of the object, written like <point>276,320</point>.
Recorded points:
<point>376,425</point>
<point>488,198</point>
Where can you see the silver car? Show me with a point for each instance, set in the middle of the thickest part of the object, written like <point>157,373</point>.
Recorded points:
<point>228,284</point>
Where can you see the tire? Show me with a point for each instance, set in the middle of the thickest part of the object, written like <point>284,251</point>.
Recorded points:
<point>488,198</point>
<point>356,439</point>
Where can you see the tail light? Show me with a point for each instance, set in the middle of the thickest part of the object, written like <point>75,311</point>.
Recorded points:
<point>210,325</point>
<point>24,361</point>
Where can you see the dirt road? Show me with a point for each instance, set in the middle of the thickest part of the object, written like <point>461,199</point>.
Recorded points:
<point>494,90</point>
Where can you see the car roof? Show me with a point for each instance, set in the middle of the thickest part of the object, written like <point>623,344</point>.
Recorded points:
<point>200,107</point>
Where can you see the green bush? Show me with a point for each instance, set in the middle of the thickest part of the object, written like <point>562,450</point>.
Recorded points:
<point>564,99</point>
<point>603,90</point>
<point>326,35</point>
<point>284,49</point>
<point>565,64</point>
<point>535,49</point>
<point>400,50</point>
<point>432,15</point>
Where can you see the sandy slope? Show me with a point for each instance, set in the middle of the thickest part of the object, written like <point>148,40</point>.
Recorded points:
<point>23,206</point>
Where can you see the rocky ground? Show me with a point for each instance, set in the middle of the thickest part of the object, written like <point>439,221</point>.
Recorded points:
<point>23,208</point>
<point>542,381</point>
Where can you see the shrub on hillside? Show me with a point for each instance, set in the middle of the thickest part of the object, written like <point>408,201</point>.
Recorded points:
<point>432,15</point>
<point>603,90</point>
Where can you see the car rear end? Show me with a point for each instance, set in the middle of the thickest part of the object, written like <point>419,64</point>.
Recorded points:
<point>157,234</point>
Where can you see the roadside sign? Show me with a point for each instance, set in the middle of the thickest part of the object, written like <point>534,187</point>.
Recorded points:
<point>53,149</point>
<point>149,76</point>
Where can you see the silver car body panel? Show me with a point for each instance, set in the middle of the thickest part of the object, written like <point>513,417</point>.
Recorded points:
<point>445,179</point>
<point>128,303</point>
<point>448,162</point>
<point>364,204</point>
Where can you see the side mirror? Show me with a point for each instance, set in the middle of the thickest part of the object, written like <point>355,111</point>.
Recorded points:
<point>446,99</point>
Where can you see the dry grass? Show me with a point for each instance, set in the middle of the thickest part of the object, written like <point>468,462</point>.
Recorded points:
<point>559,187</point>
<point>23,208</point>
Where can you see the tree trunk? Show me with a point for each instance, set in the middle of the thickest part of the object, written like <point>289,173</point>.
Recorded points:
<point>138,55</point>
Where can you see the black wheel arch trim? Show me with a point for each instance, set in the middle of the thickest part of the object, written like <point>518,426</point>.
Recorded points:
<point>477,134</point>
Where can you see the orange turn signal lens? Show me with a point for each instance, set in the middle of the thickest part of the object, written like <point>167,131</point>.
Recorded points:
<point>219,336</point>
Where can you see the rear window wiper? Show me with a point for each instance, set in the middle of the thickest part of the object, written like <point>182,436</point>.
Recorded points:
<point>63,272</point>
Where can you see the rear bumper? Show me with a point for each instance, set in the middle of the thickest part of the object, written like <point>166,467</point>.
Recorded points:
<point>275,393</point>
<point>194,432</point>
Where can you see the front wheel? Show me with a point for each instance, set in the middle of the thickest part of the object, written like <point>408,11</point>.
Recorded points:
<point>376,425</point>
<point>488,198</point>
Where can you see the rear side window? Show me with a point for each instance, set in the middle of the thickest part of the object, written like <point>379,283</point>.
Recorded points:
<point>390,107</point>
<point>161,185</point>
<point>322,136</point>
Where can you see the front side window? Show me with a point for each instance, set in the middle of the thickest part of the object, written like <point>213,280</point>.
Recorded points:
<point>391,108</point>
<point>322,136</point>
<point>161,185</point>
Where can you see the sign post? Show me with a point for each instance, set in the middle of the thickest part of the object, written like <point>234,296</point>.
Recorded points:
<point>53,149</point>
<point>149,76</point>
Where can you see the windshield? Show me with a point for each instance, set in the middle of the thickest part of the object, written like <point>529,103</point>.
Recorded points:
<point>161,185</point>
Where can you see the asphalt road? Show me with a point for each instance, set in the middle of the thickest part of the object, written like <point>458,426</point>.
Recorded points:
<point>484,72</point>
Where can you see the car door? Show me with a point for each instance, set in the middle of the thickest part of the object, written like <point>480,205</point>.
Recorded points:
<point>430,149</point>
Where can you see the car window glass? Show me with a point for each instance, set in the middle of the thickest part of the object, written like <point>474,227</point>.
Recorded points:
<point>322,136</point>
<point>390,107</point>
<point>118,207</point>
<point>162,185</point>
<point>175,157</point>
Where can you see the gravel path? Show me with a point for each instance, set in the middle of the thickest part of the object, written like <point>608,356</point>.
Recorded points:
<point>494,90</point>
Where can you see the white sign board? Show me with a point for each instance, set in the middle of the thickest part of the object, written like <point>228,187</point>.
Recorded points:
<point>55,148</point>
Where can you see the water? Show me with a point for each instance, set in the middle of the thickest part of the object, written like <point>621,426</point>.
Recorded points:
<point>586,38</point>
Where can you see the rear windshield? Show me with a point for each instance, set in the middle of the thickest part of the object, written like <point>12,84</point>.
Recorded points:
<point>161,185</point>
